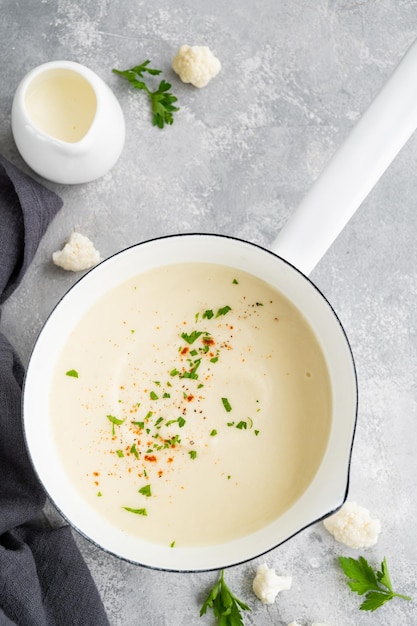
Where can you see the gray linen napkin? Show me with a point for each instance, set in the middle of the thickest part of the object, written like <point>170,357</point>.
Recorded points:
<point>44,580</point>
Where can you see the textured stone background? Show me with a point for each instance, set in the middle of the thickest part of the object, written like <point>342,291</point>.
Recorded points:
<point>240,156</point>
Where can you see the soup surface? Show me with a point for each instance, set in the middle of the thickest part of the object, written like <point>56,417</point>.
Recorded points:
<point>191,405</point>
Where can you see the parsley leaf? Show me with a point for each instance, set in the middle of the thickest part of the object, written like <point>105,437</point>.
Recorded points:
<point>376,586</point>
<point>225,605</point>
<point>226,404</point>
<point>162,101</point>
<point>192,336</point>
<point>135,511</point>
<point>146,491</point>
<point>223,310</point>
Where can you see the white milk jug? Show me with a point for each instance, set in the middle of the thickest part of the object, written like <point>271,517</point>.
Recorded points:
<point>67,124</point>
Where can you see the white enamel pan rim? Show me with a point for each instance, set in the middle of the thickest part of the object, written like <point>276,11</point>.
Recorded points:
<point>328,490</point>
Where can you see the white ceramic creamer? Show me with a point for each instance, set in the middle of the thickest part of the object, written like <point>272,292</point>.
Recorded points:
<point>67,123</point>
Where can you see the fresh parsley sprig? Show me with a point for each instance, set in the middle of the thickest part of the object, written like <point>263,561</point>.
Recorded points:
<point>162,101</point>
<point>375,585</point>
<point>226,606</point>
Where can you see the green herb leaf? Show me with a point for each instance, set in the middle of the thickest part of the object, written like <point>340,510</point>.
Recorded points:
<point>225,605</point>
<point>115,422</point>
<point>120,453</point>
<point>193,454</point>
<point>226,404</point>
<point>363,580</point>
<point>192,373</point>
<point>135,511</point>
<point>223,311</point>
<point>192,336</point>
<point>72,373</point>
<point>138,70</point>
<point>162,101</point>
<point>134,451</point>
<point>208,314</point>
<point>146,491</point>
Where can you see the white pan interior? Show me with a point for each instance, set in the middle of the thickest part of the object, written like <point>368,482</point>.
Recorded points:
<point>327,490</point>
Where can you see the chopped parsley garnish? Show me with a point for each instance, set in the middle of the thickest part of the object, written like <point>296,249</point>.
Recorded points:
<point>223,311</point>
<point>115,422</point>
<point>226,404</point>
<point>193,454</point>
<point>72,373</point>
<point>146,491</point>
<point>153,395</point>
<point>120,453</point>
<point>135,511</point>
<point>242,425</point>
<point>192,336</point>
<point>134,451</point>
<point>192,373</point>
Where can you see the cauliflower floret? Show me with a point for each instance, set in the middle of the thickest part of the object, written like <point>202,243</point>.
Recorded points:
<point>267,585</point>
<point>196,65</point>
<point>78,254</point>
<point>353,526</point>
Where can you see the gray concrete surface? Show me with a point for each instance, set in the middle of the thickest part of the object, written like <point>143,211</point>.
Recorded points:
<point>240,156</point>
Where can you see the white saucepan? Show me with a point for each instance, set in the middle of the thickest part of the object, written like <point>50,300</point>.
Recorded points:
<point>351,174</point>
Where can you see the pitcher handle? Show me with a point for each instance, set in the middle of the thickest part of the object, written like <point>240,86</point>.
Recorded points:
<point>354,169</point>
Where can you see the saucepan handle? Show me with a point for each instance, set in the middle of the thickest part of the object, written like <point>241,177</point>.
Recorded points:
<point>354,169</point>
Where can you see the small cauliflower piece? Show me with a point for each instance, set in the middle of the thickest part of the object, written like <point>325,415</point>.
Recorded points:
<point>196,65</point>
<point>352,525</point>
<point>267,585</point>
<point>78,254</point>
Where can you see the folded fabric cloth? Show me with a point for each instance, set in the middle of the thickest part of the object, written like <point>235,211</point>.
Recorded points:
<point>44,580</point>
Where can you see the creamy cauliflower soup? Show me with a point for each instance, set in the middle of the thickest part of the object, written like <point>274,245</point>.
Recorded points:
<point>191,405</point>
